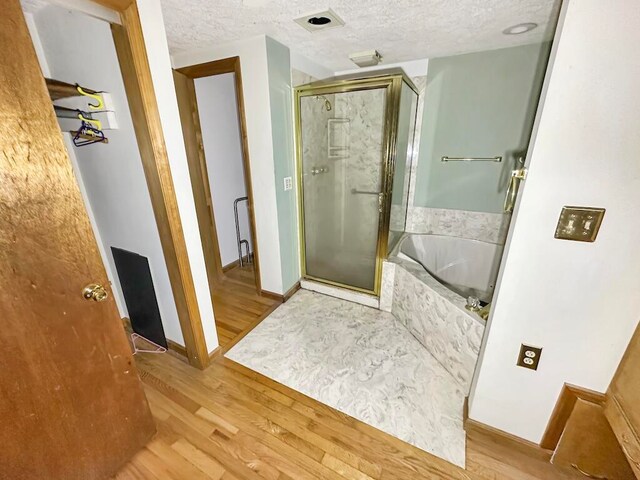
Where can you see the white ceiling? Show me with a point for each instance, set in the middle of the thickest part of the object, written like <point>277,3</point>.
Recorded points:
<point>400,30</point>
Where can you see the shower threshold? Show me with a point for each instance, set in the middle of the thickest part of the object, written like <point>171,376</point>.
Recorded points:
<point>343,293</point>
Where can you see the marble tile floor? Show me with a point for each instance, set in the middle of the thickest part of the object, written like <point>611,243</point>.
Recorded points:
<point>363,362</point>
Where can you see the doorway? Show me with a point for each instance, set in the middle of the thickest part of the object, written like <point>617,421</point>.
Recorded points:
<point>126,185</point>
<point>107,165</point>
<point>211,104</point>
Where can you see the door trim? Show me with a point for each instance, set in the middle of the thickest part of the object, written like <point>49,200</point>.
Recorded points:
<point>201,186</point>
<point>134,64</point>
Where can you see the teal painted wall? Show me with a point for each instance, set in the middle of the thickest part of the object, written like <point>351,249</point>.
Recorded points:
<point>281,103</point>
<point>477,105</point>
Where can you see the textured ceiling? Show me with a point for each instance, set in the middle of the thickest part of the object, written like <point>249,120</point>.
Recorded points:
<point>400,30</point>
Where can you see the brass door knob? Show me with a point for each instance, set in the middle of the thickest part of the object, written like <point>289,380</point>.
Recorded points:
<point>94,292</point>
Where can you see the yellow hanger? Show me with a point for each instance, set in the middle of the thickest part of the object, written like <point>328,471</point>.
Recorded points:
<point>93,95</point>
<point>96,123</point>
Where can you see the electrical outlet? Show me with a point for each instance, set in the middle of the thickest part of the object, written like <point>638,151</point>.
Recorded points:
<point>529,356</point>
<point>288,183</point>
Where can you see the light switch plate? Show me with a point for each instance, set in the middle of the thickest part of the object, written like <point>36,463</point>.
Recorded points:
<point>529,356</point>
<point>580,224</point>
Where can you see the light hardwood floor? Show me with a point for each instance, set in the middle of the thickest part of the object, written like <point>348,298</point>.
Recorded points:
<point>228,422</point>
<point>236,304</point>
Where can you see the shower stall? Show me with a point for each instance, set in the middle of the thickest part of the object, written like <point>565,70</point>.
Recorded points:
<point>354,139</point>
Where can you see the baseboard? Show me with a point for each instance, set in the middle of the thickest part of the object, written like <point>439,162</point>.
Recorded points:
<point>215,354</point>
<point>475,429</point>
<point>281,298</point>
<point>291,291</point>
<point>234,264</point>
<point>480,433</point>
<point>127,324</point>
<point>273,296</point>
<point>177,350</point>
<point>562,411</point>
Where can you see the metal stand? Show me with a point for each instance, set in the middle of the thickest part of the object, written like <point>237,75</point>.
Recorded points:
<point>240,241</point>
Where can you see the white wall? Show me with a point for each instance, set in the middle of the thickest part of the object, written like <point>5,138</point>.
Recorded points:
<point>255,79</point>
<point>155,39</point>
<point>308,66</point>
<point>110,175</point>
<point>579,301</point>
<point>219,122</point>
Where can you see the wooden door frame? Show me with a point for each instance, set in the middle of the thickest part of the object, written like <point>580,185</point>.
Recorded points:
<point>136,73</point>
<point>185,79</point>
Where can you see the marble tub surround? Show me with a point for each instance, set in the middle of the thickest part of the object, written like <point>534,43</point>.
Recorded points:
<point>386,286</point>
<point>436,317</point>
<point>486,227</point>
<point>364,363</point>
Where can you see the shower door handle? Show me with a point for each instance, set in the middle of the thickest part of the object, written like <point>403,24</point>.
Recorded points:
<point>514,185</point>
<point>381,202</point>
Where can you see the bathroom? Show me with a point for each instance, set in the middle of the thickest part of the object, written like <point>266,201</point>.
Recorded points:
<point>407,178</point>
<point>431,288</point>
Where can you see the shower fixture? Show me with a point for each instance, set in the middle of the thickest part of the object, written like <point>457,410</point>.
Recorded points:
<point>327,103</point>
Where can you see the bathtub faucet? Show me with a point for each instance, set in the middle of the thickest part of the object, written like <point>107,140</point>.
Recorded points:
<point>473,304</point>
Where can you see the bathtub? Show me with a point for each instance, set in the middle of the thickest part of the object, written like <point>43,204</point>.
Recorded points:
<point>467,267</point>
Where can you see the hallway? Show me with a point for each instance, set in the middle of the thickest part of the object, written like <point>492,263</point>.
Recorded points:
<point>237,306</point>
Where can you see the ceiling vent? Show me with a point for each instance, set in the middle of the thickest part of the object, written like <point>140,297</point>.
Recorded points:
<point>369,58</point>
<point>315,22</point>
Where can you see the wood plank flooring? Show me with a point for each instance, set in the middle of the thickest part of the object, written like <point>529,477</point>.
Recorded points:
<point>236,304</point>
<point>228,422</point>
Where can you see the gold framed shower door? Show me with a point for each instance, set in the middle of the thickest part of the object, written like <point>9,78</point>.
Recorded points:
<point>392,83</point>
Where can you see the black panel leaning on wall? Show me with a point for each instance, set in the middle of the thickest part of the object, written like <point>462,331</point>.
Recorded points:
<point>139,295</point>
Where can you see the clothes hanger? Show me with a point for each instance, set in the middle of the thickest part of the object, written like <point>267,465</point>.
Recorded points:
<point>88,135</point>
<point>96,123</point>
<point>92,94</point>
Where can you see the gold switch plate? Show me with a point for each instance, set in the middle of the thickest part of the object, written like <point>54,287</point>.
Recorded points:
<point>580,224</point>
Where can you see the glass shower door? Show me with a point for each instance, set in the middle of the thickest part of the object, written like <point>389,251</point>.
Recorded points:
<point>342,142</point>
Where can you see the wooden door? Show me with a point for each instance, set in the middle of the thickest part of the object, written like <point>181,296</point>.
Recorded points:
<point>71,403</point>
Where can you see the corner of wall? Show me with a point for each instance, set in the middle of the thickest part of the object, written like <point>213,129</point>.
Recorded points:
<point>281,104</point>
<point>310,67</point>
<point>157,48</point>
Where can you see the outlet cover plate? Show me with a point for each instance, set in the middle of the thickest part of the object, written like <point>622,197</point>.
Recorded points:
<point>529,356</point>
<point>580,224</point>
